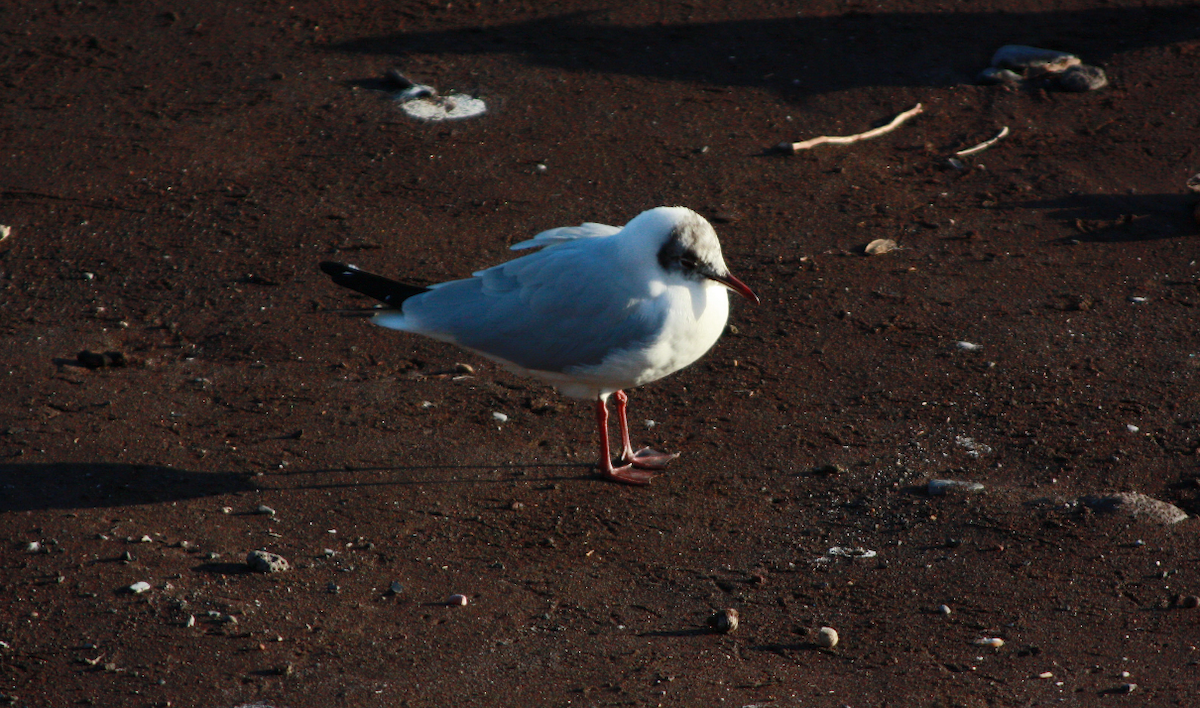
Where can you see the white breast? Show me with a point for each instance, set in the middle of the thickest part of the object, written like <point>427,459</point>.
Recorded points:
<point>695,319</point>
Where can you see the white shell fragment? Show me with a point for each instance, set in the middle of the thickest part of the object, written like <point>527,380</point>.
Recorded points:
<point>827,637</point>
<point>968,346</point>
<point>424,103</point>
<point>993,642</point>
<point>500,417</point>
<point>938,487</point>
<point>880,246</point>
<point>139,587</point>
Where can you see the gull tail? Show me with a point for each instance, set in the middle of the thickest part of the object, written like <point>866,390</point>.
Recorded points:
<point>383,289</point>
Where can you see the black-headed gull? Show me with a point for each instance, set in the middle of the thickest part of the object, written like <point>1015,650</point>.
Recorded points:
<point>596,310</point>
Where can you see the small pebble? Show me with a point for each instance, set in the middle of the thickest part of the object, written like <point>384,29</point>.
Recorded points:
<point>993,642</point>
<point>395,588</point>
<point>944,609</point>
<point>457,599</point>
<point>500,417</point>
<point>266,562</point>
<point>938,487</point>
<point>5,231</point>
<point>1127,688</point>
<point>880,246</point>
<point>139,587</point>
<point>968,346</point>
<point>1189,602</point>
<point>264,509</point>
<point>1082,78</point>
<point>725,621</point>
<point>191,621</point>
<point>827,637</point>
<point>1046,675</point>
<point>33,547</point>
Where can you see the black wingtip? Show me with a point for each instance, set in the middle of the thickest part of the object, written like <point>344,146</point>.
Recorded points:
<point>383,289</point>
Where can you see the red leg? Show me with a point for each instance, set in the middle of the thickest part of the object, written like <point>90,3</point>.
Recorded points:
<point>626,474</point>
<point>645,458</point>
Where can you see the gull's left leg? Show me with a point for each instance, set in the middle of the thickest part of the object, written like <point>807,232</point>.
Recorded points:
<point>645,458</point>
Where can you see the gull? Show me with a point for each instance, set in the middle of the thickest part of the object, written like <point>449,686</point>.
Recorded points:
<point>594,311</point>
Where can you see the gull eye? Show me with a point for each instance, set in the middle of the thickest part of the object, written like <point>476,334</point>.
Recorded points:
<point>687,262</point>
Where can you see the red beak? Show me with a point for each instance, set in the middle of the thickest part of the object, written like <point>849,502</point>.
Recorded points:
<point>731,282</point>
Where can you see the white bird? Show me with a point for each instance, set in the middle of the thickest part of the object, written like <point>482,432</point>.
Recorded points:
<point>597,310</point>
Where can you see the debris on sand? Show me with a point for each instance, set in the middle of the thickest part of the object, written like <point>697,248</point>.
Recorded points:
<point>725,621</point>
<point>1042,68</point>
<point>425,103</point>
<point>880,246</point>
<point>89,359</point>
<point>1138,506</point>
<point>985,144</point>
<point>827,638</point>
<point>847,139</point>
<point>267,562</point>
<point>939,487</point>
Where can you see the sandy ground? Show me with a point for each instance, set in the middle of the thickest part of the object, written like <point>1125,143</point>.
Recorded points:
<point>172,174</point>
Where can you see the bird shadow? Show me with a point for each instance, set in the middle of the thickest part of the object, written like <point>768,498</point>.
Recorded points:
<point>88,485</point>
<point>80,485</point>
<point>1121,217</point>
<point>795,56</point>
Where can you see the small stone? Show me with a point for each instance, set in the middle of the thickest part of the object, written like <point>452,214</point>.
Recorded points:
<point>1046,675</point>
<point>266,562</point>
<point>827,638</point>
<point>457,599</point>
<point>1127,688</point>
<point>34,547</point>
<point>991,642</point>
<point>1189,602</point>
<point>1138,506</point>
<point>139,587</point>
<point>191,621</point>
<point>880,246</point>
<point>1081,78</point>
<point>725,621</point>
<point>464,369</point>
<point>938,487</point>
<point>944,610</point>
<point>968,346</point>
<point>500,417</point>
<point>395,588</point>
<point>265,510</point>
<point>5,231</point>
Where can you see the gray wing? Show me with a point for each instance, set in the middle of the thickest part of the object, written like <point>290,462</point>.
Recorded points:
<point>552,310</point>
<point>588,229</point>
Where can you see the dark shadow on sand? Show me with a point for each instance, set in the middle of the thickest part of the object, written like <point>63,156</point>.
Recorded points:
<point>1122,217</point>
<point>796,56</point>
<point>85,485</point>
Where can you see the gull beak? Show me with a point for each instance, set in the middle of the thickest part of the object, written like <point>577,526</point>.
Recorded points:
<point>731,282</point>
